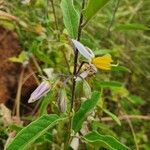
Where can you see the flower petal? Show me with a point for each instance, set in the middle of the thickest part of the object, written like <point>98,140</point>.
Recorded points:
<point>39,92</point>
<point>103,62</point>
<point>88,54</point>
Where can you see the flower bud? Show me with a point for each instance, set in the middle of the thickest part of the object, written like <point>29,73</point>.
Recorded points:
<point>39,92</point>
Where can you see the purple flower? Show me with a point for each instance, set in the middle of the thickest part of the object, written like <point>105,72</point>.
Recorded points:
<point>39,92</point>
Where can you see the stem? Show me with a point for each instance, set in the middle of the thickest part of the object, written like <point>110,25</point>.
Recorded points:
<point>76,58</point>
<point>132,131</point>
<point>113,18</point>
<point>124,117</point>
<point>83,62</point>
<point>18,95</point>
<point>55,18</point>
<point>37,65</point>
<point>74,77</point>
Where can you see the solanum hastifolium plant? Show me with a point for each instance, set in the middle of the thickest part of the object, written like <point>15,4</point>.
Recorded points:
<point>68,123</point>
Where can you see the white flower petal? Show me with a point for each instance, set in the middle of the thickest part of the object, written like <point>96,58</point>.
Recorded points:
<point>82,49</point>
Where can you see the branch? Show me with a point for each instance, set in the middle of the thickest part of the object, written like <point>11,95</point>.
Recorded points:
<point>124,117</point>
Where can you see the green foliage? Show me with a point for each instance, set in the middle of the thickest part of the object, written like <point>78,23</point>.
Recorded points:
<point>45,102</point>
<point>110,84</point>
<point>83,111</point>
<point>93,7</point>
<point>132,26</point>
<point>21,58</point>
<point>33,131</point>
<point>135,99</point>
<point>114,117</point>
<point>120,68</point>
<point>105,140</point>
<point>71,17</point>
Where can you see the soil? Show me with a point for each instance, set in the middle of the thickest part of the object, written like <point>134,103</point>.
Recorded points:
<point>10,72</point>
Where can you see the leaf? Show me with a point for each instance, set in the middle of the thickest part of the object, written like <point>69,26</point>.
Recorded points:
<point>42,57</point>
<point>103,128</point>
<point>33,131</point>
<point>23,56</point>
<point>86,89</point>
<point>110,84</point>
<point>85,108</point>
<point>136,99</point>
<point>70,17</point>
<point>132,26</point>
<point>62,100</point>
<point>15,127</point>
<point>106,140</point>
<point>45,102</point>
<point>93,7</point>
<point>113,116</point>
<point>120,68</point>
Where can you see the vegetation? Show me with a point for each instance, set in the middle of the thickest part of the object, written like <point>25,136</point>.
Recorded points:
<point>74,74</point>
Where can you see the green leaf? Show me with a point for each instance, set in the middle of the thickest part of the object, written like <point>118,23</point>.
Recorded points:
<point>93,7</point>
<point>110,84</point>
<point>113,116</point>
<point>120,68</point>
<point>23,56</point>
<point>15,127</point>
<point>70,17</point>
<point>45,102</point>
<point>33,131</point>
<point>132,26</point>
<point>106,140</point>
<point>42,57</point>
<point>102,128</point>
<point>86,89</point>
<point>85,108</point>
<point>136,99</point>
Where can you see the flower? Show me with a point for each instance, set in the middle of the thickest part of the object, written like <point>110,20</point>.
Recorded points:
<point>103,62</point>
<point>87,53</point>
<point>39,92</point>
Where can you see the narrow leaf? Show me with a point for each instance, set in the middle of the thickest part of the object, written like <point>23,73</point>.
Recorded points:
<point>70,17</point>
<point>93,7</point>
<point>33,131</point>
<point>120,68</point>
<point>136,99</point>
<point>113,116</point>
<point>85,108</point>
<point>132,26</point>
<point>110,84</point>
<point>107,141</point>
